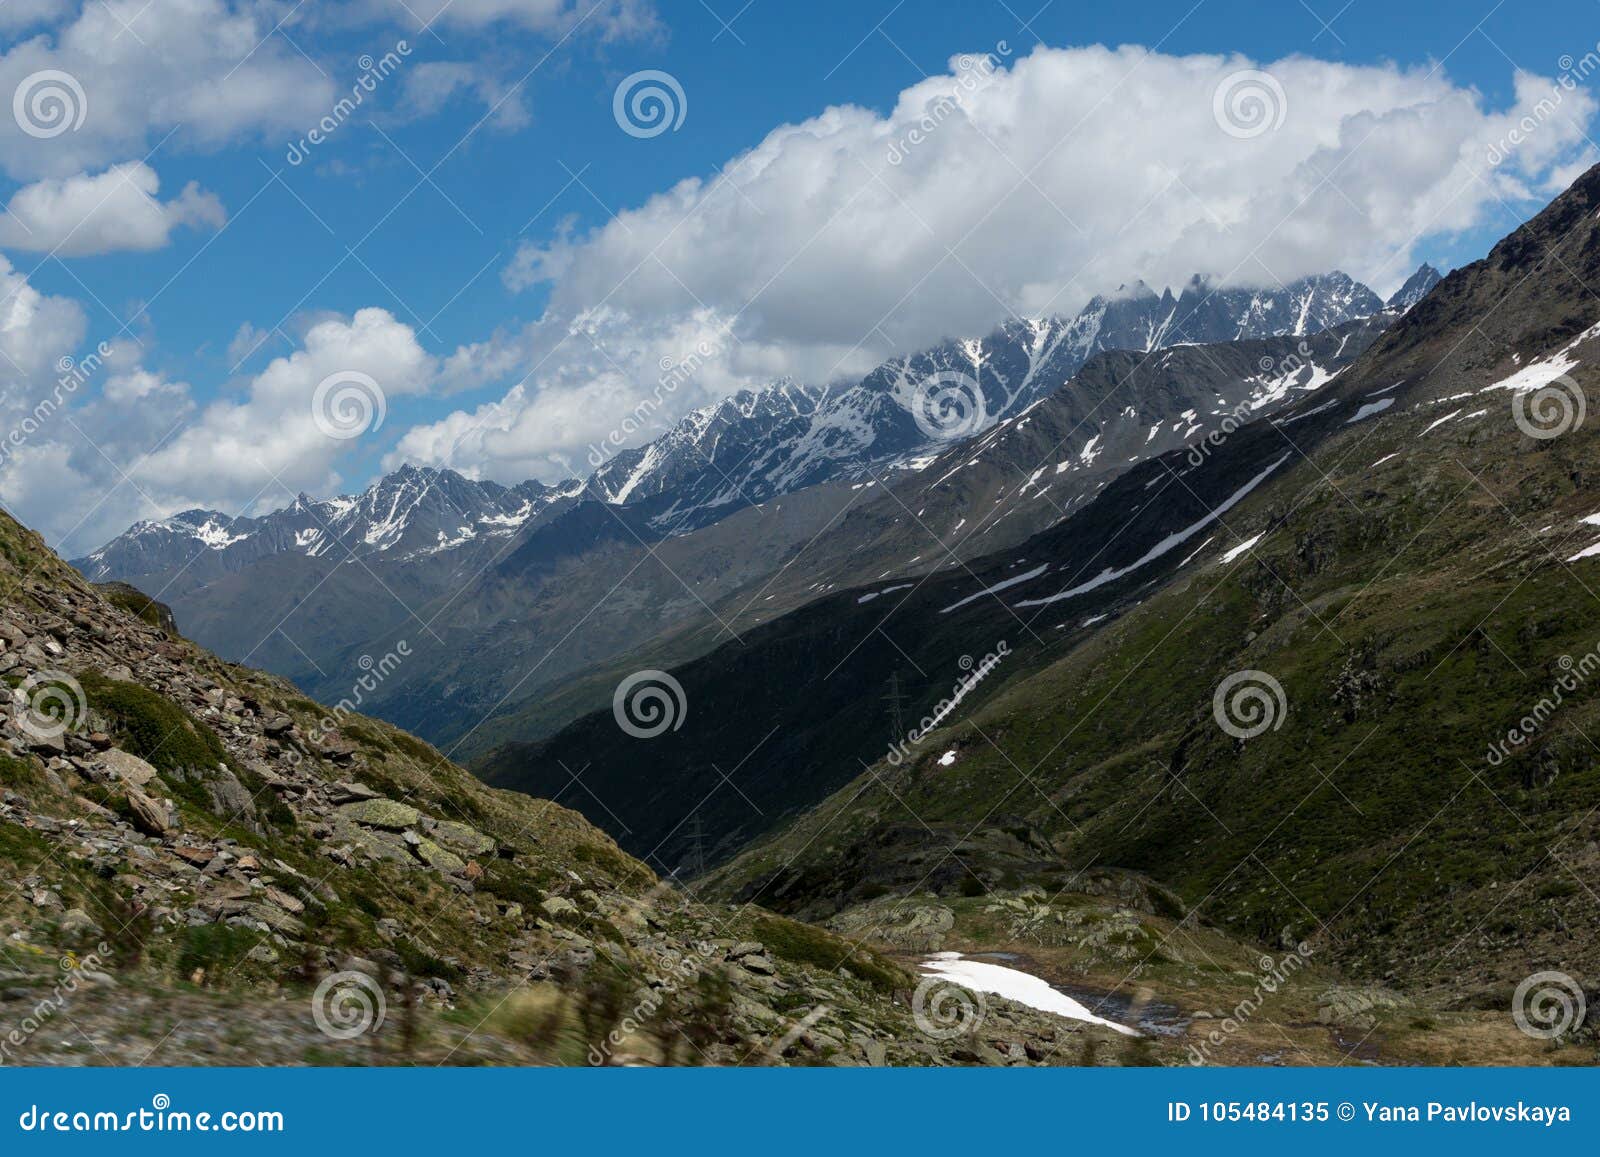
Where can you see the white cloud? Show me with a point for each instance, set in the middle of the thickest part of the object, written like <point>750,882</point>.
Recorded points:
<point>36,331</point>
<point>209,69</point>
<point>247,342</point>
<point>1026,188</point>
<point>103,213</point>
<point>613,19</point>
<point>19,14</point>
<point>583,392</point>
<point>132,443</point>
<point>271,438</point>
<point>432,85</point>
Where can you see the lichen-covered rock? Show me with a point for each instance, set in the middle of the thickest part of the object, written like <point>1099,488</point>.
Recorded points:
<point>380,813</point>
<point>459,835</point>
<point>438,858</point>
<point>127,767</point>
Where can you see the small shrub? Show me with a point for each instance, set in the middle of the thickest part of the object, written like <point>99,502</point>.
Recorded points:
<point>138,604</point>
<point>802,944</point>
<point>214,948</point>
<point>153,727</point>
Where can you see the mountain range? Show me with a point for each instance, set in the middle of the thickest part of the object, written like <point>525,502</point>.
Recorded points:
<point>433,556</point>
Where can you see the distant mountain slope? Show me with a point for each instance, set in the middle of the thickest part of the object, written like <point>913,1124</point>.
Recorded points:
<point>744,449</point>
<point>758,445</point>
<point>413,512</point>
<point>1025,474</point>
<point>1416,287</point>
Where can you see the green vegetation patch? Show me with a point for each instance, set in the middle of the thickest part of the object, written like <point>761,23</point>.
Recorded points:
<point>153,727</point>
<point>803,944</point>
<point>136,603</point>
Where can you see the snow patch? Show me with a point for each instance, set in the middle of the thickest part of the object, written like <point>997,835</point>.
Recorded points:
<point>1003,584</point>
<point>1172,540</point>
<point>1368,409</point>
<point>1014,984</point>
<point>869,596</point>
<point>1229,556</point>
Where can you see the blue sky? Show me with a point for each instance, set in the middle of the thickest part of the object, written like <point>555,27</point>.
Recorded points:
<point>476,191</point>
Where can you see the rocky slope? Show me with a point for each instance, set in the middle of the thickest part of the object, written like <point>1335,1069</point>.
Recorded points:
<point>205,867</point>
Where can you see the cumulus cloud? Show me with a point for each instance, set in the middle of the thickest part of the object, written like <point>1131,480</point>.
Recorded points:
<point>584,391</point>
<point>130,442</point>
<point>103,213</point>
<point>218,74</point>
<point>36,331</point>
<point>1009,186</point>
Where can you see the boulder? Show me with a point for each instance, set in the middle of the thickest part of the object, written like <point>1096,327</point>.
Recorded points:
<point>230,799</point>
<point>346,792</point>
<point>147,815</point>
<point>459,835</point>
<point>380,813</point>
<point>127,766</point>
<point>77,924</point>
<point>1356,1007</point>
<point>438,858</point>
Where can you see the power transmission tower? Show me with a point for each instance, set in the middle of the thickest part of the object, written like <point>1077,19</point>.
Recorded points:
<point>697,844</point>
<point>896,702</point>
